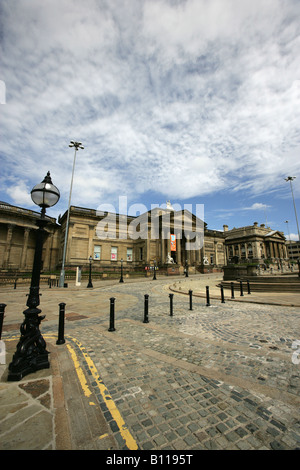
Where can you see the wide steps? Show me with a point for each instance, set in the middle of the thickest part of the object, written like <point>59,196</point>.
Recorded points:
<point>267,284</point>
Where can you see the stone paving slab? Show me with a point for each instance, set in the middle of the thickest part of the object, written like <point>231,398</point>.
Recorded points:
<point>219,377</point>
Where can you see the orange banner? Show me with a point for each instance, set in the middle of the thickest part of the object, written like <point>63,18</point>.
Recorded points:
<point>173,242</point>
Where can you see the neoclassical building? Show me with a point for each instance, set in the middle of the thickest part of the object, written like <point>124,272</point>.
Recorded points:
<point>164,238</point>
<point>161,237</point>
<point>17,239</point>
<point>255,243</point>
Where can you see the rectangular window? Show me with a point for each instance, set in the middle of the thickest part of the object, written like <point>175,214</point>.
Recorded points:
<point>97,252</point>
<point>129,254</point>
<point>114,253</point>
<point>141,254</point>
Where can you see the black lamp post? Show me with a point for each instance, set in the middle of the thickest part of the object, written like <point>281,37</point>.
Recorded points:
<point>121,278</point>
<point>31,354</point>
<point>186,269</point>
<point>90,275</point>
<point>154,271</point>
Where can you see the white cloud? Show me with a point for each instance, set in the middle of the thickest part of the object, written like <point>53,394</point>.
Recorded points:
<point>20,194</point>
<point>183,98</point>
<point>292,236</point>
<point>257,206</point>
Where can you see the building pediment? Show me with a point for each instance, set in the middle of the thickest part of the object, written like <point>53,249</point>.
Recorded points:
<point>274,234</point>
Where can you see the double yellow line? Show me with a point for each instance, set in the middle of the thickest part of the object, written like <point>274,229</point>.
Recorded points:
<point>111,406</point>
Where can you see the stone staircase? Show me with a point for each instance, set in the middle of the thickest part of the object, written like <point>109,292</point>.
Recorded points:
<point>287,283</point>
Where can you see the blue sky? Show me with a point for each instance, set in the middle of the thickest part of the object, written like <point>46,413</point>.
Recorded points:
<point>192,101</point>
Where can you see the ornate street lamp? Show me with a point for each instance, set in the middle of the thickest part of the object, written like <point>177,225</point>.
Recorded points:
<point>90,274</point>
<point>31,354</point>
<point>154,271</point>
<point>121,278</point>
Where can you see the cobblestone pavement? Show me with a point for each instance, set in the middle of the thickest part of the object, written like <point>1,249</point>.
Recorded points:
<point>225,376</point>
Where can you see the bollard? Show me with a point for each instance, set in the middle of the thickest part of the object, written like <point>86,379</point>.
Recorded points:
<point>241,289</point>
<point>146,320</point>
<point>112,315</point>
<point>61,324</point>
<point>171,304</point>
<point>2,308</point>
<point>207,297</point>
<point>222,295</point>
<point>191,299</point>
<point>15,284</point>
<point>232,290</point>
<point>248,285</point>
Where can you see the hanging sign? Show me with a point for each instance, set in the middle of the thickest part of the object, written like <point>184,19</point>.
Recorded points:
<point>173,242</point>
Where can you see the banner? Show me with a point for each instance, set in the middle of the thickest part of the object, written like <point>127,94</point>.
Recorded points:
<point>173,242</point>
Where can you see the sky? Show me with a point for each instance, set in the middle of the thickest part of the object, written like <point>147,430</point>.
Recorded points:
<point>192,101</point>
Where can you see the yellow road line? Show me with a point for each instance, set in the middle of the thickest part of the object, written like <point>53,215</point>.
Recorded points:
<point>130,441</point>
<point>128,438</point>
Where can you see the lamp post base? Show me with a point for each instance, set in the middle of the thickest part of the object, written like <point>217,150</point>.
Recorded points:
<point>31,354</point>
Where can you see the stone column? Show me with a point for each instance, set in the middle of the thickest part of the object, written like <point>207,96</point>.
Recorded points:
<point>178,250</point>
<point>10,229</point>
<point>91,241</point>
<point>25,247</point>
<point>216,253</point>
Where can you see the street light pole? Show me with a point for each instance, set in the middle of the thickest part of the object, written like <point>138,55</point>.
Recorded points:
<point>121,278</point>
<point>31,354</point>
<point>77,145</point>
<point>290,179</point>
<point>287,224</point>
<point>90,273</point>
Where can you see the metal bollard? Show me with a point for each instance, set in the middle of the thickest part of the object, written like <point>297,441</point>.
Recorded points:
<point>232,290</point>
<point>207,297</point>
<point>248,285</point>
<point>112,315</point>
<point>222,295</point>
<point>191,299</point>
<point>2,308</point>
<point>171,304</point>
<point>61,324</point>
<point>241,289</point>
<point>146,320</point>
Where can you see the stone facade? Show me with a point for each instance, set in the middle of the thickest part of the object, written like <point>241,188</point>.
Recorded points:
<point>17,239</point>
<point>111,238</point>
<point>140,242</point>
<point>254,244</point>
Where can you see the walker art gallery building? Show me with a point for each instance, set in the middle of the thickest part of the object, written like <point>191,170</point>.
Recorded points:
<point>141,242</point>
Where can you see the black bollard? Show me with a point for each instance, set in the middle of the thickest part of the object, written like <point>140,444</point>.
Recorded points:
<point>232,290</point>
<point>61,324</point>
<point>171,304</point>
<point>222,295</point>
<point>191,299</point>
<point>146,320</point>
<point>112,315</point>
<point>241,289</point>
<point>2,308</point>
<point>207,297</point>
<point>15,284</point>
<point>248,285</point>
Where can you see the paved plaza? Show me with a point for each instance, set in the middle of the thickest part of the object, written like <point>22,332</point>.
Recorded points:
<point>224,376</point>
